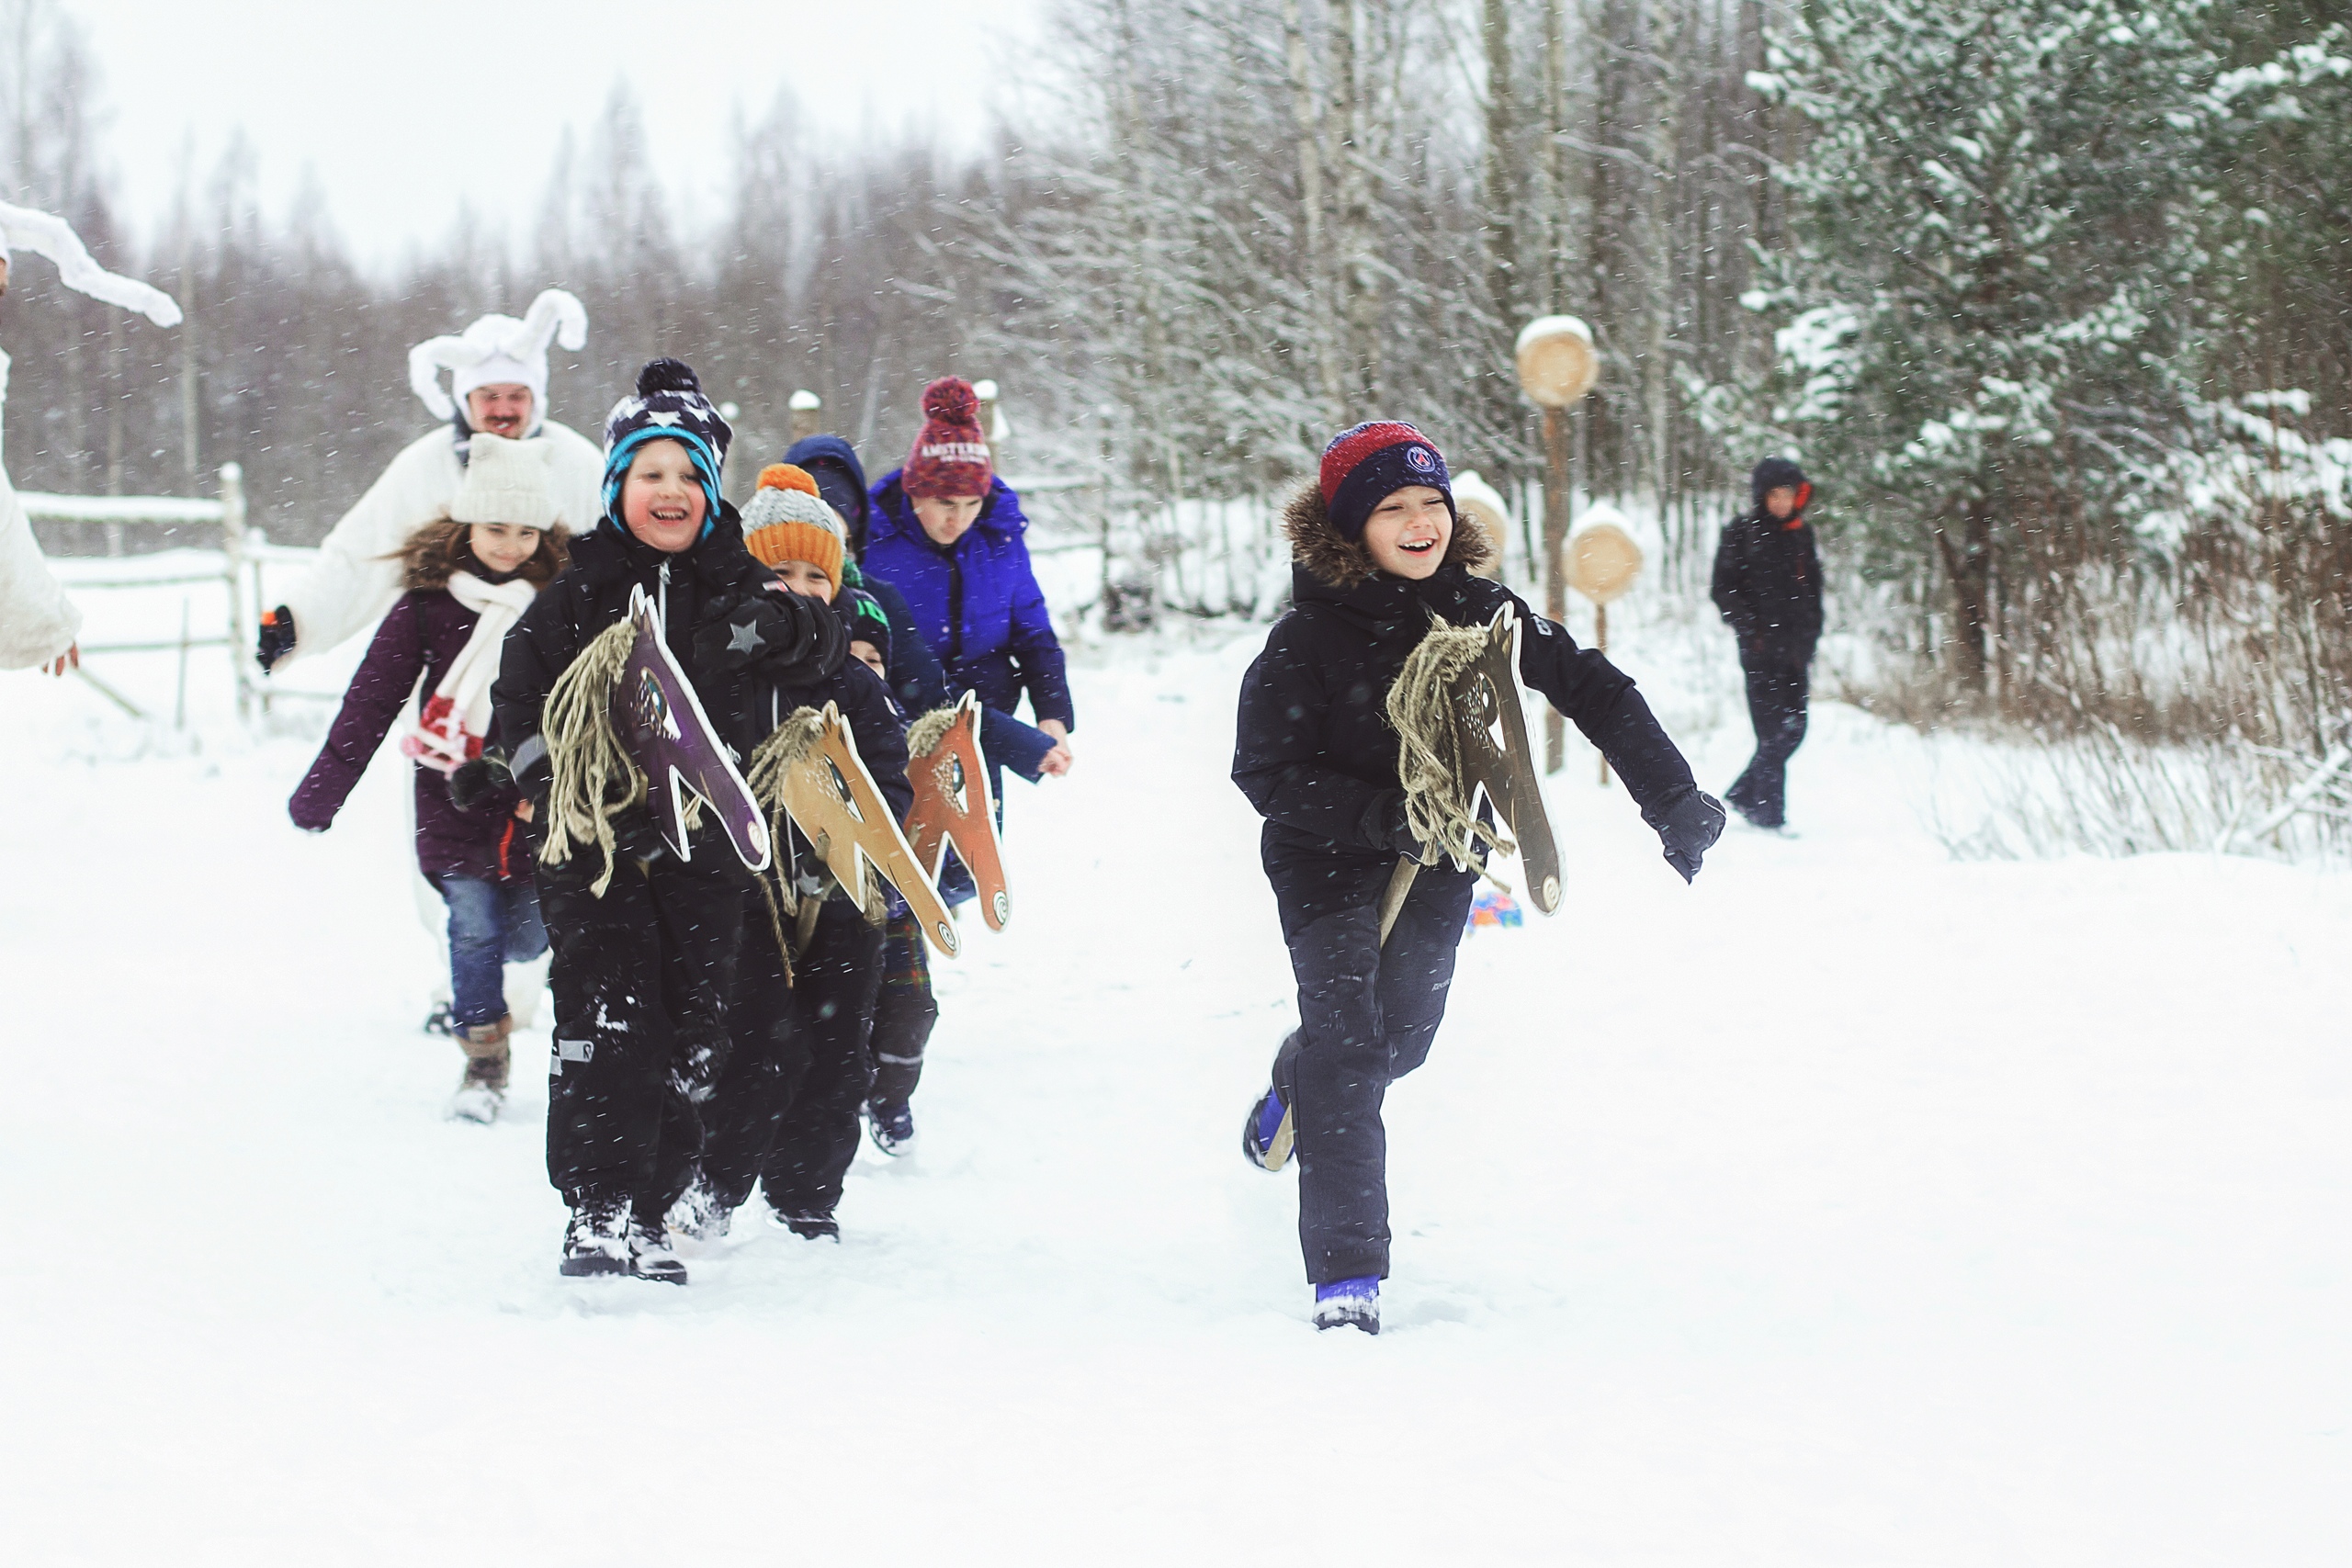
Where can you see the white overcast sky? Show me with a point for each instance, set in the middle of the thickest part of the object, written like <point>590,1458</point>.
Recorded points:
<point>406,107</point>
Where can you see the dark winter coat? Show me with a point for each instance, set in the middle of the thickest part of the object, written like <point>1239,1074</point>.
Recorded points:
<point>975,603</point>
<point>1767,585</point>
<point>918,680</point>
<point>1313,749</point>
<point>421,633</point>
<point>711,582</point>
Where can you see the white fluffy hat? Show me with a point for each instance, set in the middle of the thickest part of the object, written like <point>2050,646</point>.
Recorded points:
<point>49,236</point>
<point>506,481</point>
<point>497,350</point>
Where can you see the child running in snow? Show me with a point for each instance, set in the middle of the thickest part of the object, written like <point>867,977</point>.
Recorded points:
<point>469,579</point>
<point>785,1111</point>
<point>646,940</point>
<point>947,535</point>
<point>1378,549</point>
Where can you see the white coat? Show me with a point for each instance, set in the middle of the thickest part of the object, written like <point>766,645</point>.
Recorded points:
<point>358,574</point>
<point>38,622</point>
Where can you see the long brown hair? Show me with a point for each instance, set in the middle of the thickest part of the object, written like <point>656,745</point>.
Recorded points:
<point>438,548</point>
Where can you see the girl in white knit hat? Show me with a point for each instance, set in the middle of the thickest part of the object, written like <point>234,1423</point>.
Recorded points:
<point>469,577</point>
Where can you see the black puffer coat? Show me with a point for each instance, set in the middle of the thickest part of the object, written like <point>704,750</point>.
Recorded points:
<point>1768,574</point>
<point>1313,750</point>
<point>704,590</point>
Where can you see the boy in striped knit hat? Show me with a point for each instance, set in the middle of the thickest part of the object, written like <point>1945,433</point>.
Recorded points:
<point>785,1111</point>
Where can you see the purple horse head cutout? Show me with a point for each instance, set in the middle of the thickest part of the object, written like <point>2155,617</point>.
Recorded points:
<point>666,733</point>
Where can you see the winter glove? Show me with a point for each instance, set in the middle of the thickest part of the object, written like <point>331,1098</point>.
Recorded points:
<point>636,837</point>
<point>478,779</point>
<point>277,636</point>
<point>1688,828</point>
<point>792,640</point>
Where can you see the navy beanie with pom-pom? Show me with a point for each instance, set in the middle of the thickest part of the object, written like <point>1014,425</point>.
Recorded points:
<point>1366,466</point>
<point>668,405</point>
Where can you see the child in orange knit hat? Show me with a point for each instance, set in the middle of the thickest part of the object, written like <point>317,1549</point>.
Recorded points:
<point>785,1111</point>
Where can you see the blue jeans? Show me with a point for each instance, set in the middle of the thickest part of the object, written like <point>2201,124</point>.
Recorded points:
<point>491,924</point>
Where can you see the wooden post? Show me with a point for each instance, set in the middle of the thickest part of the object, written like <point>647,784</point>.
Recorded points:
<point>807,415</point>
<point>1601,645</point>
<point>232,550</point>
<point>1555,576</point>
<point>179,700</point>
<point>985,392</point>
<point>1556,363</point>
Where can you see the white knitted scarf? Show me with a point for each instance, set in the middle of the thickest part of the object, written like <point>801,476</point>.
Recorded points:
<point>455,720</point>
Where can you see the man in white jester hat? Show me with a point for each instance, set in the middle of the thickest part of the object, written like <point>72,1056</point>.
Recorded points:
<point>498,384</point>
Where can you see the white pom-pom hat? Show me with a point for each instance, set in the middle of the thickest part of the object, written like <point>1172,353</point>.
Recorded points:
<point>499,351</point>
<point>49,236</point>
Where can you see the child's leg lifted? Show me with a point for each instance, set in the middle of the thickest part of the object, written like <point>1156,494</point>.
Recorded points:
<point>1366,1018</point>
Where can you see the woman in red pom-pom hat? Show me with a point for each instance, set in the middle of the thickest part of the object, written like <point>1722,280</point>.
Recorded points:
<point>1377,550</point>
<point>948,535</point>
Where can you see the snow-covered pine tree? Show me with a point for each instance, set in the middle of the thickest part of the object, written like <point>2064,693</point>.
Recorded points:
<point>1983,314</point>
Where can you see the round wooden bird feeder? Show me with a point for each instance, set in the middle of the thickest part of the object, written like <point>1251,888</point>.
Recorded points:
<point>1557,362</point>
<point>1602,561</point>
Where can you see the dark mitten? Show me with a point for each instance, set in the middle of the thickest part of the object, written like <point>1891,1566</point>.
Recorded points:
<point>277,636</point>
<point>1688,828</point>
<point>1399,832</point>
<point>480,779</point>
<point>636,837</point>
<point>788,639</point>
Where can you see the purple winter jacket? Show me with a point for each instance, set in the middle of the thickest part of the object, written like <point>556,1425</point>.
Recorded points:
<point>420,635</point>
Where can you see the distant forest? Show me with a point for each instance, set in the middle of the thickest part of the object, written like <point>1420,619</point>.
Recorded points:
<point>2053,297</point>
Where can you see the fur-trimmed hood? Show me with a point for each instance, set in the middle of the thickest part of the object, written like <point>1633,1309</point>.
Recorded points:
<point>1317,550</point>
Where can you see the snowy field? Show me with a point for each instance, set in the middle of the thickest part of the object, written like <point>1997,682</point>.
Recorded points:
<point>1854,1206</point>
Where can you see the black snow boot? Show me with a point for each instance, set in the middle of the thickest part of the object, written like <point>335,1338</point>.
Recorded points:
<point>809,1227</point>
<point>650,1255</point>
<point>596,1242</point>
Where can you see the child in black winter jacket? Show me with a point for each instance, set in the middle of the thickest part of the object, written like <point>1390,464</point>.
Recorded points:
<point>645,967</point>
<point>786,1108</point>
<point>1378,549</point>
<point>1768,586</point>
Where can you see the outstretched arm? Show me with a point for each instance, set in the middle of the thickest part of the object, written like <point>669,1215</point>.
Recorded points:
<point>1043,667</point>
<point>378,692</point>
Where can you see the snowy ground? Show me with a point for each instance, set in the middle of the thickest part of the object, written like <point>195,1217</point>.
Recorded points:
<point>1852,1207</point>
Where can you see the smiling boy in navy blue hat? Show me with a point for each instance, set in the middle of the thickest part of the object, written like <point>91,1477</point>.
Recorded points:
<point>1378,549</point>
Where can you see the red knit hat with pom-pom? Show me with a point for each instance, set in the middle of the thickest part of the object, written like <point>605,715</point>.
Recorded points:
<point>951,456</point>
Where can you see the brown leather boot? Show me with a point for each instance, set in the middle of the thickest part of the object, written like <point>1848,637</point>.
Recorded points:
<point>482,1090</point>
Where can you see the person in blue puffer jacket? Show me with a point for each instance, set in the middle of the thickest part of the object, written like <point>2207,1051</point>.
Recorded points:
<point>917,679</point>
<point>947,533</point>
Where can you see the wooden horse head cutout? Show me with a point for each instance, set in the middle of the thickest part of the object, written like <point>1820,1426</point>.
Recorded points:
<point>1497,758</point>
<point>832,799</point>
<point>955,805</point>
<point>663,729</point>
